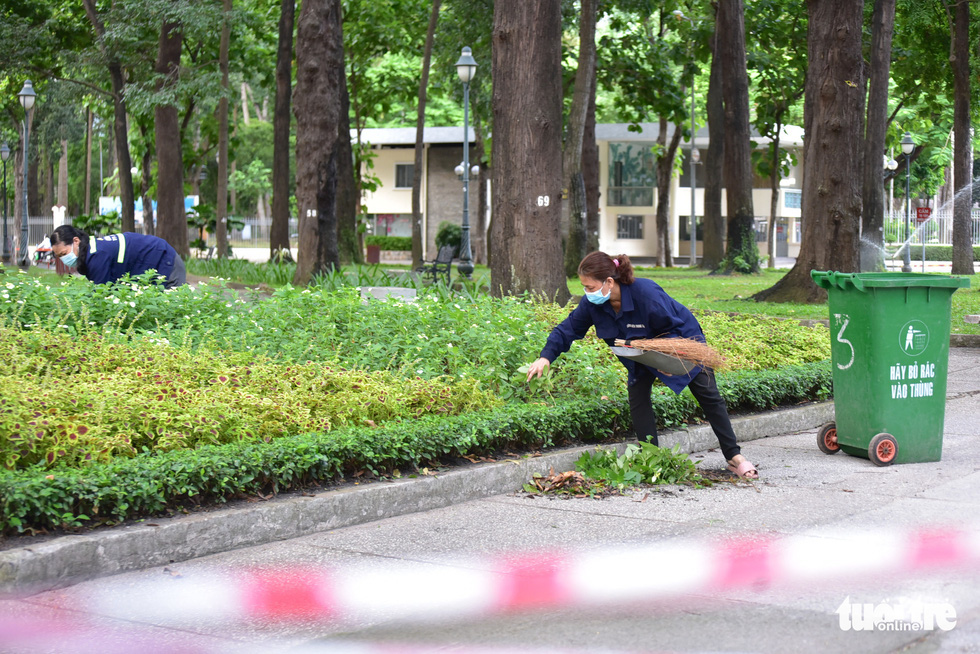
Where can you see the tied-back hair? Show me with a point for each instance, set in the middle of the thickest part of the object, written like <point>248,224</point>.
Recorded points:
<point>64,235</point>
<point>599,265</point>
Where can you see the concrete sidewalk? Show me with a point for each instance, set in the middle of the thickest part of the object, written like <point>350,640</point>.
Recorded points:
<point>802,492</point>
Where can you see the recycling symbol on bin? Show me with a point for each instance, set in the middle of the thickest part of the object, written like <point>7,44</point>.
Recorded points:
<point>913,338</point>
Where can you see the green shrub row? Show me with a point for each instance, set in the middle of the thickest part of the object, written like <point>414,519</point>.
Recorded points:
<point>936,252</point>
<point>89,399</point>
<point>151,484</point>
<point>398,243</point>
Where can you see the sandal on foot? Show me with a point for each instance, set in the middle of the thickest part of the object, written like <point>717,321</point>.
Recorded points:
<point>744,470</point>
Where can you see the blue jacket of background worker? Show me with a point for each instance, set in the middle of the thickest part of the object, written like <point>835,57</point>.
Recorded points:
<point>142,253</point>
<point>646,312</point>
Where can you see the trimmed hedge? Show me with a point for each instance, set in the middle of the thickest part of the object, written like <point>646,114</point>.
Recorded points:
<point>43,499</point>
<point>396,243</point>
<point>937,252</point>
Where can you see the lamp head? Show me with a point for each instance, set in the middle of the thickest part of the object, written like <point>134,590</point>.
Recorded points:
<point>466,66</point>
<point>696,155</point>
<point>27,96</point>
<point>892,164</point>
<point>907,143</point>
<point>459,169</point>
<point>4,152</point>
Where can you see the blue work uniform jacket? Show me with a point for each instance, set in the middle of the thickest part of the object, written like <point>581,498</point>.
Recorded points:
<point>111,257</point>
<point>646,311</point>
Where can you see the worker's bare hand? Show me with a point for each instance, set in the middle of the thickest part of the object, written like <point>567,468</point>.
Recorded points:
<point>537,368</point>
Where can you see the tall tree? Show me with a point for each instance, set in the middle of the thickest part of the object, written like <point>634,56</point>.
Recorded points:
<point>715,226</point>
<point>742,251</point>
<point>590,172</point>
<point>526,152</point>
<point>779,74</point>
<point>279,234</point>
<point>576,246</point>
<point>959,59</point>
<point>221,206</point>
<point>171,218</point>
<point>873,193</point>
<point>89,117</point>
<point>349,245</point>
<point>832,180</point>
<point>666,153</point>
<point>319,71</point>
<point>417,235</point>
<point>119,122</point>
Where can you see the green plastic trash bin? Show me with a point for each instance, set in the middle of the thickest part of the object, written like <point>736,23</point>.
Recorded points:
<point>890,353</point>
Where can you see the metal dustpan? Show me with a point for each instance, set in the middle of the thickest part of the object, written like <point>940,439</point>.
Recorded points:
<point>663,362</point>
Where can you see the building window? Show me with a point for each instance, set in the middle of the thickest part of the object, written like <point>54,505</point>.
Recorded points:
<point>390,224</point>
<point>404,175</point>
<point>632,175</point>
<point>629,226</point>
<point>793,199</point>
<point>684,231</point>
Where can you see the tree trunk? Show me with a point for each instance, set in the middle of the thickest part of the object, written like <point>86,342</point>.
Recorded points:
<point>478,235</point>
<point>417,235</point>
<point>526,154</point>
<point>959,59</point>
<point>147,178</point>
<point>279,233</point>
<point>221,204</point>
<point>832,177</point>
<point>39,202</point>
<point>743,253</point>
<point>63,175</point>
<point>171,219</point>
<point>245,115</point>
<point>774,193</point>
<point>715,226</point>
<point>89,116</point>
<point>577,216</point>
<point>873,190</point>
<point>319,69</point>
<point>349,243</point>
<point>590,174</point>
<point>120,130</point>
<point>665,172</point>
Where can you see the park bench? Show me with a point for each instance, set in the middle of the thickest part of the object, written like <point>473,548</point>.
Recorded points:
<point>441,265</point>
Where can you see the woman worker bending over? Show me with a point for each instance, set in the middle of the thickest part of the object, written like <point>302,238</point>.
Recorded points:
<point>104,260</point>
<point>622,306</point>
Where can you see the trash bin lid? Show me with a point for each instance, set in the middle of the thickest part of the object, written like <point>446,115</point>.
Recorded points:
<point>862,281</point>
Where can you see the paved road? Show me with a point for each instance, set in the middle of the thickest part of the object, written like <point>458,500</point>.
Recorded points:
<point>802,493</point>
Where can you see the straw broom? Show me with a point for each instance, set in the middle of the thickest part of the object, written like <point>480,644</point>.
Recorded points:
<point>681,348</point>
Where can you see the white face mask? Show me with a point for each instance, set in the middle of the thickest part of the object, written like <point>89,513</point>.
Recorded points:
<point>596,297</point>
<point>69,258</point>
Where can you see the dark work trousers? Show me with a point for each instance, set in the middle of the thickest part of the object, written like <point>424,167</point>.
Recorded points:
<point>705,391</point>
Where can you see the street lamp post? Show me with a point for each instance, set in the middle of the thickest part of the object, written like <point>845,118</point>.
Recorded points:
<point>891,166</point>
<point>5,154</point>
<point>908,145</point>
<point>466,69</point>
<point>27,97</point>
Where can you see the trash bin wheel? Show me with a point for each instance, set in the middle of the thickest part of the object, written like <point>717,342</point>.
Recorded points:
<point>883,449</point>
<point>827,439</point>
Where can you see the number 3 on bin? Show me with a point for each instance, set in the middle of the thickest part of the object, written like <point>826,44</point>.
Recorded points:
<point>843,319</point>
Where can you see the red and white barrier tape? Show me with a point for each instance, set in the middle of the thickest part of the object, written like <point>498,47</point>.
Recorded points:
<point>470,588</point>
